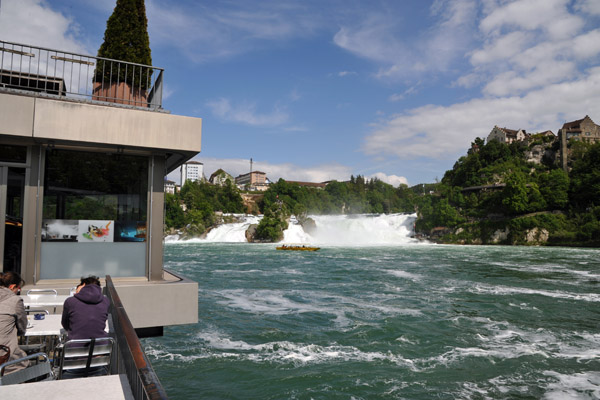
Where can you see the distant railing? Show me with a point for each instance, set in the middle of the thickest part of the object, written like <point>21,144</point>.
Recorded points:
<point>79,77</point>
<point>131,359</point>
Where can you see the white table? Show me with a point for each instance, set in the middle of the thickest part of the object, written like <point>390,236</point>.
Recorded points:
<point>49,326</point>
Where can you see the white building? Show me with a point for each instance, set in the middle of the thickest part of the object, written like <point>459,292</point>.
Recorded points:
<point>169,186</point>
<point>192,171</point>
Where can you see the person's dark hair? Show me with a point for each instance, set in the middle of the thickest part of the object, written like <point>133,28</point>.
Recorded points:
<point>90,280</point>
<point>11,278</point>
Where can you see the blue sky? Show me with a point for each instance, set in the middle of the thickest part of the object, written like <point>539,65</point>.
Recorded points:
<point>321,90</point>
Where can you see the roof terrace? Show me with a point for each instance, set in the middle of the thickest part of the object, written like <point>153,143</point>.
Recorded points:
<point>78,77</point>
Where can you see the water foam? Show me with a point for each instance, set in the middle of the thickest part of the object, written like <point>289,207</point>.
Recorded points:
<point>220,345</point>
<point>342,230</point>
<point>507,291</point>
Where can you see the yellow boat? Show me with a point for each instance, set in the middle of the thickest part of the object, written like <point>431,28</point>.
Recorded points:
<point>297,248</point>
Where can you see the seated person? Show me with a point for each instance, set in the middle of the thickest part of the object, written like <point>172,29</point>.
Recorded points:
<point>84,315</point>
<point>13,319</point>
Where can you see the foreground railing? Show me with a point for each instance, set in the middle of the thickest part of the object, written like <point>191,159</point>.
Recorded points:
<point>79,77</point>
<point>131,359</point>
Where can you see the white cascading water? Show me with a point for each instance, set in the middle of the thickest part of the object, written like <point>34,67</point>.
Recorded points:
<point>340,230</point>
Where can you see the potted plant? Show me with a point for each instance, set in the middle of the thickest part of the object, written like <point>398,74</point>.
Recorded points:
<point>125,39</point>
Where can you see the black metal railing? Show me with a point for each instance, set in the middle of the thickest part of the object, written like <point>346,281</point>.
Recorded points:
<point>79,77</point>
<point>130,356</point>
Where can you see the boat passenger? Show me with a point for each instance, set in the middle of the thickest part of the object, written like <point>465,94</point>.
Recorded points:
<point>84,315</point>
<point>13,319</point>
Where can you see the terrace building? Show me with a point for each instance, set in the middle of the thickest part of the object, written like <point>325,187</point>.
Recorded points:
<point>82,167</point>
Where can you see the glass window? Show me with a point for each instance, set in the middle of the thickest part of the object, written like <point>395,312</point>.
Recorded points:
<point>94,215</point>
<point>10,153</point>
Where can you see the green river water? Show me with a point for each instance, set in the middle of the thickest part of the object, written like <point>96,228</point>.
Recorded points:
<point>412,321</point>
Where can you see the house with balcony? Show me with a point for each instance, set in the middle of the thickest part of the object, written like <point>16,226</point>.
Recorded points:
<point>82,167</point>
<point>583,129</point>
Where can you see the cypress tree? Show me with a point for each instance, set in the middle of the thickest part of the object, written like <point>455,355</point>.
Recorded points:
<point>126,39</point>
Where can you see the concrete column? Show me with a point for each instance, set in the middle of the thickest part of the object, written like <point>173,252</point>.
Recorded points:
<point>156,217</point>
<point>564,153</point>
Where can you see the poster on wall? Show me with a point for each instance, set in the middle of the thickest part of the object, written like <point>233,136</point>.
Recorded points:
<point>60,230</point>
<point>94,231</point>
<point>130,231</point>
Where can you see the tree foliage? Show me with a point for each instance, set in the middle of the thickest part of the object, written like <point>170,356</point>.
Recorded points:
<point>126,39</point>
<point>201,200</point>
<point>358,195</point>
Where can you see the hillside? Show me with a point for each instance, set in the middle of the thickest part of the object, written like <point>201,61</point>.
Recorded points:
<point>517,194</point>
<point>495,194</point>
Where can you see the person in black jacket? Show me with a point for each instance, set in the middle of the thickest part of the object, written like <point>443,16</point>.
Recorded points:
<point>84,315</point>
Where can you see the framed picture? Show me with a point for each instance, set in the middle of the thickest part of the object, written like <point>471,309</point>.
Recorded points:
<point>95,231</point>
<point>60,230</point>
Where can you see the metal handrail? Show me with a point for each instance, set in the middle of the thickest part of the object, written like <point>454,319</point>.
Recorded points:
<point>132,359</point>
<point>62,74</point>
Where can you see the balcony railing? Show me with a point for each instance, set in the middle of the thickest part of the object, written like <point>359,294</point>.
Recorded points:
<point>131,359</point>
<point>56,73</point>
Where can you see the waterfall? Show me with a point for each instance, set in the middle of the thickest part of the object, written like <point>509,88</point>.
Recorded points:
<point>345,230</point>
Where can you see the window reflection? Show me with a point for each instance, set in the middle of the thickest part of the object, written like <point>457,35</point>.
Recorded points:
<point>94,215</point>
<point>95,186</point>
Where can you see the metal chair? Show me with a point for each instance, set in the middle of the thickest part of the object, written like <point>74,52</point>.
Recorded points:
<point>32,372</point>
<point>84,357</point>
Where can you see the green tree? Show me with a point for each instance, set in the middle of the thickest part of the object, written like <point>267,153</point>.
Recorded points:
<point>174,217</point>
<point>554,187</point>
<point>271,226</point>
<point>126,39</point>
<point>515,198</point>
<point>585,177</point>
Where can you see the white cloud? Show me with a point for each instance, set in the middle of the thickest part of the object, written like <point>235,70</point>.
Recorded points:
<point>587,45</point>
<point>341,74</point>
<point>550,15</point>
<point>33,22</point>
<point>504,47</point>
<point>588,6</point>
<point>393,180</point>
<point>511,82</point>
<point>245,113</point>
<point>401,96</point>
<point>379,38</point>
<point>209,31</point>
<point>446,131</point>
<point>396,97</point>
<point>525,47</point>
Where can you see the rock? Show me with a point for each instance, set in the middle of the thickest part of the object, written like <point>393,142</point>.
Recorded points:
<point>250,233</point>
<point>537,236</point>
<point>499,236</point>
<point>535,154</point>
<point>309,225</point>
